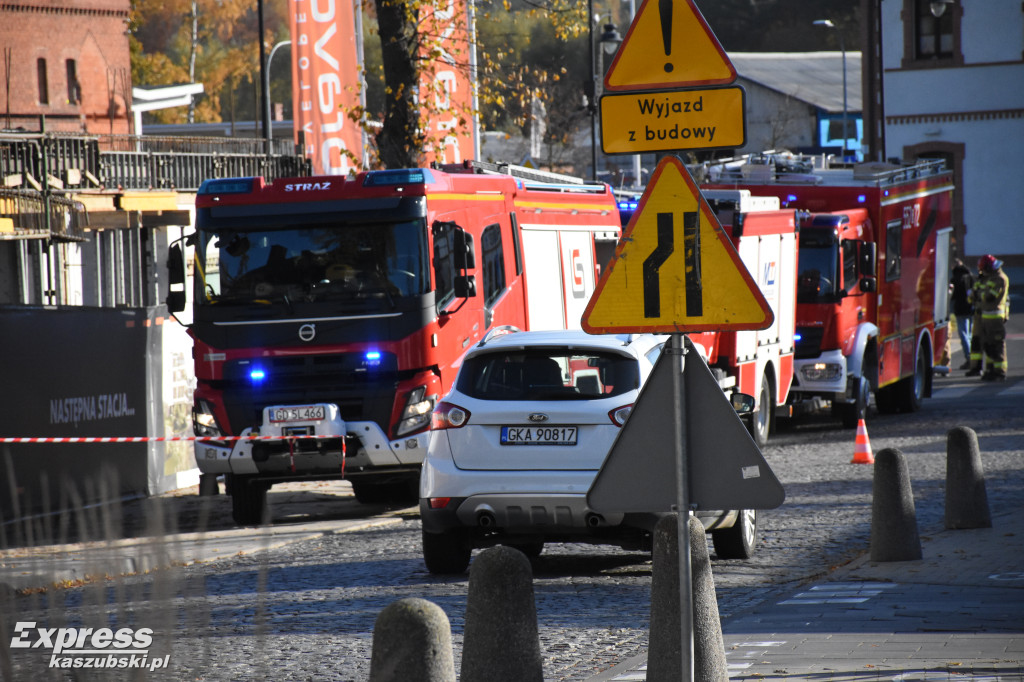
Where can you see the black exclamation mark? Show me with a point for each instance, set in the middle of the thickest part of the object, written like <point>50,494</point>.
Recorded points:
<point>665,10</point>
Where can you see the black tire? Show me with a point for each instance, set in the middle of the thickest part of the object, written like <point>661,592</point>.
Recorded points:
<point>739,540</point>
<point>760,424</point>
<point>852,413</point>
<point>912,388</point>
<point>370,493</point>
<point>249,501</point>
<point>446,553</point>
<point>402,493</point>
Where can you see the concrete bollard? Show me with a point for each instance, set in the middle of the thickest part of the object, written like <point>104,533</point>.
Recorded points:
<point>501,643</point>
<point>664,657</point>
<point>894,535</point>
<point>412,640</point>
<point>966,499</point>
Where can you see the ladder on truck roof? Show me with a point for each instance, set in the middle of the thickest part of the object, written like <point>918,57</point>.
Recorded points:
<point>532,178</point>
<point>775,166</point>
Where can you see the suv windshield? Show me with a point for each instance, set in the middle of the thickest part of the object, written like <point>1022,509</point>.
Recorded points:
<point>548,374</point>
<point>313,263</point>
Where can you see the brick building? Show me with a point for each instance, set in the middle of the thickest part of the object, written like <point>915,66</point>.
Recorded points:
<point>67,61</point>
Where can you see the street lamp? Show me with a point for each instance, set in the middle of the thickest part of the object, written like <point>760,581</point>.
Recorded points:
<point>827,23</point>
<point>268,132</point>
<point>610,40</point>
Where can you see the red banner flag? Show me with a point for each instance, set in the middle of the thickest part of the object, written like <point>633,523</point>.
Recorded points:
<point>447,85</point>
<point>325,74</point>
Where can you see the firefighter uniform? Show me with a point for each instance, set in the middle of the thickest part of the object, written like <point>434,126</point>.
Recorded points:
<point>992,310</point>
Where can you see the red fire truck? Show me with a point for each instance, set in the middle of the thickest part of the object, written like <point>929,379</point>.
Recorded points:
<point>872,308</point>
<point>758,363</point>
<point>329,314</point>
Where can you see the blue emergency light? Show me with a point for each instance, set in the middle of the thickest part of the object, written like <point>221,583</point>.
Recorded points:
<point>257,375</point>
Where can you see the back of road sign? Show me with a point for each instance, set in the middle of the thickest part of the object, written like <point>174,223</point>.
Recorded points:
<point>668,45</point>
<point>726,469</point>
<point>675,269</point>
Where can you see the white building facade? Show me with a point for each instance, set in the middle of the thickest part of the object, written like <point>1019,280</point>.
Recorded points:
<point>953,87</point>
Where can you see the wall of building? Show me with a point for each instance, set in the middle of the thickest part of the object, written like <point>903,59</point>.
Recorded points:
<point>775,120</point>
<point>976,106</point>
<point>93,35</point>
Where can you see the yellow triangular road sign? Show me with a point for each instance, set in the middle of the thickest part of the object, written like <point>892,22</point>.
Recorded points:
<point>675,269</point>
<point>668,45</point>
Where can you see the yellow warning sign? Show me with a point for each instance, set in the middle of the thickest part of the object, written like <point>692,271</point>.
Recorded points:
<point>710,118</point>
<point>668,45</point>
<point>675,269</point>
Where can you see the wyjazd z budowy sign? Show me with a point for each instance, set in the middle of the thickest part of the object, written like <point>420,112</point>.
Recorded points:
<point>709,118</point>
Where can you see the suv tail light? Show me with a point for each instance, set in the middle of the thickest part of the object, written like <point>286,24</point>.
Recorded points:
<point>448,416</point>
<point>620,414</point>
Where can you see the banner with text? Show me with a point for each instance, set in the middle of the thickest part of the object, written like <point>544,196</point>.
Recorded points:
<point>325,74</point>
<point>447,82</point>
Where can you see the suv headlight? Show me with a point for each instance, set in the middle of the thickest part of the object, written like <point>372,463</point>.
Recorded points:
<point>822,371</point>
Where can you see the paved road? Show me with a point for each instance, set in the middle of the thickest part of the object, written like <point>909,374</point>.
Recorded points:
<point>305,609</point>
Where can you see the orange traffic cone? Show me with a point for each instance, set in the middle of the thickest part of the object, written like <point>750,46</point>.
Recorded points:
<point>862,446</point>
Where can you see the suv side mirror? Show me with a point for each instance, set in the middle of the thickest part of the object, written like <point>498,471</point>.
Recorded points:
<point>176,270</point>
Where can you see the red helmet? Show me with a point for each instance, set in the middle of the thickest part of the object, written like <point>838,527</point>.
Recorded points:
<point>987,263</point>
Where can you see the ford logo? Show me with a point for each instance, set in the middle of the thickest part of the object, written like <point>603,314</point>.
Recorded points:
<point>307,332</point>
<point>538,417</point>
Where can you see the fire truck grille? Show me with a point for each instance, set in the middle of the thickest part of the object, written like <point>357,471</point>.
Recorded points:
<point>363,390</point>
<point>809,342</point>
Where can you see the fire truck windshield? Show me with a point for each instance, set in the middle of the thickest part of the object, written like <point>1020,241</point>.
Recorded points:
<point>312,263</point>
<point>818,272</point>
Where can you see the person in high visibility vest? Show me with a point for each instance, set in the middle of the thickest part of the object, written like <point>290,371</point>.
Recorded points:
<point>991,296</point>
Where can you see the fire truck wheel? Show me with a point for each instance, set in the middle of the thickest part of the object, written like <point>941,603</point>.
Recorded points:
<point>913,386</point>
<point>852,413</point>
<point>447,552</point>
<point>739,540</point>
<point>248,500</point>
<point>760,423</point>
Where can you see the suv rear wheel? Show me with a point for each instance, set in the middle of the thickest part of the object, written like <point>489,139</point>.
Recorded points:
<point>447,552</point>
<point>739,540</point>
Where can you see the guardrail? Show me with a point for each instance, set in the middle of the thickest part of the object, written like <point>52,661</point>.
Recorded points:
<point>60,162</point>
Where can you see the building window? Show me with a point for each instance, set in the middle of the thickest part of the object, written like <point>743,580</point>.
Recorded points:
<point>934,33</point>
<point>931,33</point>
<point>74,89</point>
<point>44,86</point>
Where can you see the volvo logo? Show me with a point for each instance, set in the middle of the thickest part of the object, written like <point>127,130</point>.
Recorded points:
<point>307,332</point>
<point>538,417</point>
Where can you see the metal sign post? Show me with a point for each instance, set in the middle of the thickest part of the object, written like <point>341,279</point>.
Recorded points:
<point>682,510</point>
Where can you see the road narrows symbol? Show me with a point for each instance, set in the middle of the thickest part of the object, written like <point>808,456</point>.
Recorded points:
<point>691,259</point>
<point>653,263</point>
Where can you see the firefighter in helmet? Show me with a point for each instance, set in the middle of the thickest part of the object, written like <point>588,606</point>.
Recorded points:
<point>992,309</point>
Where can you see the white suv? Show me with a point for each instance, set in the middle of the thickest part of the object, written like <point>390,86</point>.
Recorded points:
<point>517,442</point>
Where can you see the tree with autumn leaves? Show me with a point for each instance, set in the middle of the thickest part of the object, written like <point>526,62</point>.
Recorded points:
<point>213,42</point>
